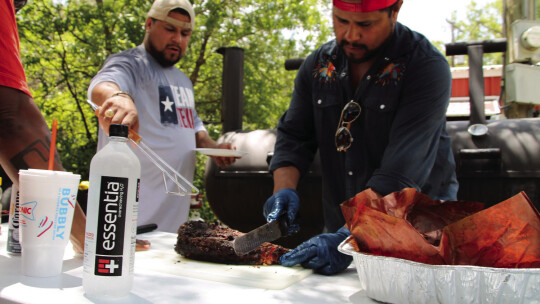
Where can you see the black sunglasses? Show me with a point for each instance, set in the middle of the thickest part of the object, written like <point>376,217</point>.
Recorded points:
<point>350,113</point>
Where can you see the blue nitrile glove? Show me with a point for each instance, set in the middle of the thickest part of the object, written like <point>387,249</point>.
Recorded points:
<point>284,201</point>
<point>320,253</point>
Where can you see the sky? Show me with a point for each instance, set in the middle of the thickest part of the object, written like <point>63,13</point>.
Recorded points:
<point>429,16</point>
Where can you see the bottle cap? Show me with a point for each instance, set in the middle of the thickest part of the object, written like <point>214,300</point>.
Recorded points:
<point>118,130</point>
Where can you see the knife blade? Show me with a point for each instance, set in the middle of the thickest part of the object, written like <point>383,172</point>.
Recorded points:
<point>265,233</point>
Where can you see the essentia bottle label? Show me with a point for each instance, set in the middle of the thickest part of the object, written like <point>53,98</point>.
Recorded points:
<point>111,226</point>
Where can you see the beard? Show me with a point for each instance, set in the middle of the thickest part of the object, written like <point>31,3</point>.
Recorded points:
<point>161,58</point>
<point>369,53</point>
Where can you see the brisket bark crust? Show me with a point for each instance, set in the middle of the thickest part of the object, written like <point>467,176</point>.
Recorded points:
<point>212,242</point>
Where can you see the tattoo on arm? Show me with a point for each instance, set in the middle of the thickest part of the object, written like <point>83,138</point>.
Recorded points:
<point>34,156</point>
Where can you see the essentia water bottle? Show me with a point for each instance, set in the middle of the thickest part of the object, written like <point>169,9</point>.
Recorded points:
<point>111,218</point>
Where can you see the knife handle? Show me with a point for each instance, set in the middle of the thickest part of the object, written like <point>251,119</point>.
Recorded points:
<point>283,225</point>
<point>146,228</point>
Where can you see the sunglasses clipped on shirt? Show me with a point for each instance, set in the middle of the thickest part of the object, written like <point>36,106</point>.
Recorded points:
<point>350,113</point>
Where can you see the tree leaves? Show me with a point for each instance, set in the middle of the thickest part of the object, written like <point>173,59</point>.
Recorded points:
<point>480,23</point>
<point>64,43</point>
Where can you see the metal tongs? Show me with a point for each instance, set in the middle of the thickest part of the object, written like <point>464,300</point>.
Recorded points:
<point>168,171</point>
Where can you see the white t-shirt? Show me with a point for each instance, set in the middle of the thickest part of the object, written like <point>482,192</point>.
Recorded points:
<point>168,122</point>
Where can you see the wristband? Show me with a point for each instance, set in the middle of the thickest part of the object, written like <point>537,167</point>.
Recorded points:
<point>118,93</point>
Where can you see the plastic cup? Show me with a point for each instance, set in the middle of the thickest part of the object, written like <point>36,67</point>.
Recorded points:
<point>46,205</point>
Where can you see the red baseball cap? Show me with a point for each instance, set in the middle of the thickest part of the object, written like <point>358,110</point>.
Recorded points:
<point>363,6</point>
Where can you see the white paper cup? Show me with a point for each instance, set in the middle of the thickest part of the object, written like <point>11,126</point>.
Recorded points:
<point>47,202</point>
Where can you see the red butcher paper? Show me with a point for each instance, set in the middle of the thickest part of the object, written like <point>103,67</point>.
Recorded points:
<point>409,225</point>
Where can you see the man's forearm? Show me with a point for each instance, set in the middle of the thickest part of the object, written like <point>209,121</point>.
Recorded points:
<point>286,177</point>
<point>25,143</point>
<point>77,229</point>
<point>203,140</point>
<point>24,134</point>
<point>102,91</point>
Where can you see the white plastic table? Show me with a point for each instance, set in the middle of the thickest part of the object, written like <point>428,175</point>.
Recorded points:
<point>160,287</point>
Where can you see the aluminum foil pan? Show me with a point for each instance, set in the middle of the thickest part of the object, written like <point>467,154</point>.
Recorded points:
<point>394,280</point>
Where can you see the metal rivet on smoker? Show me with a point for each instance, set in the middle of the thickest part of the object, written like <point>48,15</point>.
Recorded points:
<point>343,74</point>
<point>386,58</point>
<point>351,173</point>
<point>368,77</point>
<point>382,107</point>
<point>319,101</point>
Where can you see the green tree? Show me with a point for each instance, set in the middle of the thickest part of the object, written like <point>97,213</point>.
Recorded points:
<point>65,43</point>
<point>63,46</point>
<point>258,27</point>
<point>480,23</point>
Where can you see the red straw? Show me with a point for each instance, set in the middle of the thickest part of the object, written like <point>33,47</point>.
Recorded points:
<point>53,144</point>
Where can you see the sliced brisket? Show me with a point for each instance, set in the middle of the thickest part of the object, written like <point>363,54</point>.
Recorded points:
<point>212,242</point>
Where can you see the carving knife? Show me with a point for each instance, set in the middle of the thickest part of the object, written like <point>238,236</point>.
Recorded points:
<point>266,233</point>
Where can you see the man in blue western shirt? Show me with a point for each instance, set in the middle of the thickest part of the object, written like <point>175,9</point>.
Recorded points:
<point>373,102</point>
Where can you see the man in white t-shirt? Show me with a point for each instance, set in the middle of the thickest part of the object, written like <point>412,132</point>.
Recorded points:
<point>142,88</point>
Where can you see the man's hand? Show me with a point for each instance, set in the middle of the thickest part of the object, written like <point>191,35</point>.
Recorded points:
<point>223,161</point>
<point>116,107</point>
<point>320,253</point>
<point>284,201</point>
<point>142,245</point>
<point>203,140</point>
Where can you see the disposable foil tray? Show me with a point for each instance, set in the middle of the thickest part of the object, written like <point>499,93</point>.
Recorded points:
<point>393,280</point>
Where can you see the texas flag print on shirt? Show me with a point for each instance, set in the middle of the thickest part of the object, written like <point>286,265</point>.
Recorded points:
<point>176,106</point>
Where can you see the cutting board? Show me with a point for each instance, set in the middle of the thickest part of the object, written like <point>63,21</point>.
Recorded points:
<point>267,277</point>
